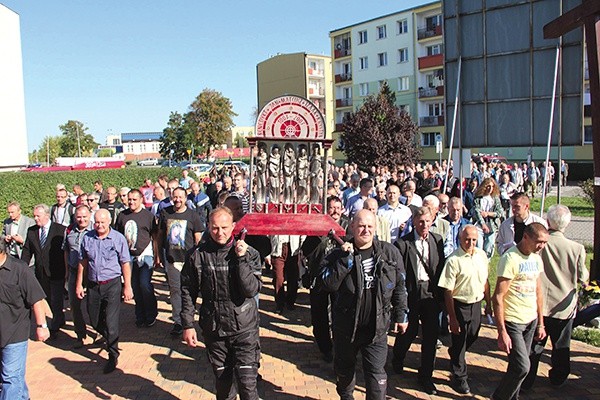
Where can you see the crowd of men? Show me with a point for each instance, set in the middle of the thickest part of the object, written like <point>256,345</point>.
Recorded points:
<point>413,256</point>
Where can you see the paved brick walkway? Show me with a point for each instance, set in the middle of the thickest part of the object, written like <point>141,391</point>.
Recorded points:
<point>155,366</point>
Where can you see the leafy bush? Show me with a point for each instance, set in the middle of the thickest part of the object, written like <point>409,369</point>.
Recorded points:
<point>587,335</point>
<point>31,188</point>
<point>588,190</point>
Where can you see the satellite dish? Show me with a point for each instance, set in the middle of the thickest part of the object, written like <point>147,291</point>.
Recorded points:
<point>338,46</point>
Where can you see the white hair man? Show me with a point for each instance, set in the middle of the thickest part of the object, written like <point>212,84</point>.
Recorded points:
<point>564,267</point>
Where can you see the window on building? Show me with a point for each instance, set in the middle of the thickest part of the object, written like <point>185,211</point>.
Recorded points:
<point>432,22</point>
<point>435,49</point>
<point>587,135</point>
<point>428,139</point>
<point>362,37</point>
<point>435,109</point>
<point>347,91</point>
<point>364,62</point>
<point>382,59</point>
<point>363,89</point>
<point>381,32</point>
<point>403,83</point>
<point>403,55</point>
<point>401,26</point>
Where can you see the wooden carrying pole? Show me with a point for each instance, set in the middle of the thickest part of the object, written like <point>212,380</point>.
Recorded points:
<point>587,14</point>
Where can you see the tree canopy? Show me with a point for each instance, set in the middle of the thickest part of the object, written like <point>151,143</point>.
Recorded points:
<point>74,137</point>
<point>210,119</point>
<point>176,137</point>
<point>380,134</point>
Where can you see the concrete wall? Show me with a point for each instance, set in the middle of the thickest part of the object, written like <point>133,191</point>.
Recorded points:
<point>13,128</point>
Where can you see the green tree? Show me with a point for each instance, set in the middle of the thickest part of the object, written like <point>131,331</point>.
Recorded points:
<point>379,134</point>
<point>176,137</point>
<point>105,153</point>
<point>51,145</point>
<point>210,119</point>
<point>74,137</point>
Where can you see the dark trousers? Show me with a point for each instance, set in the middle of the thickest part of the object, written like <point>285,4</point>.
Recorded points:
<point>374,354</point>
<point>469,320</point>
<point>75,303</point>
<point>143,290</point>
<point>521,336</point>
<point>426,311</point>
<point>285,268</point>
<point>55,293</point>
<point>103,305</point>
<point>319,315</point>
<point>235,356</point>
<point>559,331</point>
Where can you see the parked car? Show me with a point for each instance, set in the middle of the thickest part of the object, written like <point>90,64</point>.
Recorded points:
<point>201,170</point>
<point>238,164</point>
<point>148,162</point>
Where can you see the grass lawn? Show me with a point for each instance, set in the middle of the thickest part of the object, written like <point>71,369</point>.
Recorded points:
<point>579,206</point>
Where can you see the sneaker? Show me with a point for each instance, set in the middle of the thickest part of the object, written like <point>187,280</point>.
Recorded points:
<point>460,386</point>
<point>151,323</point>
<point>177,330</point>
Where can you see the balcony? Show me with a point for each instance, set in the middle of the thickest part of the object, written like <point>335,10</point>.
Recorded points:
<point>343,78</point>
<point>432,120</point>
<point>429,32</point>
<point>434,61</point>
<point>316,91</point>
<point>343,102</point>
<point>316,72</point>
<point>431,92</point>
<point>339,53</point>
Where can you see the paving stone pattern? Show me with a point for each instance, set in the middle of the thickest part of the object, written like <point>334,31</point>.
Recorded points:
<point>155,366</point>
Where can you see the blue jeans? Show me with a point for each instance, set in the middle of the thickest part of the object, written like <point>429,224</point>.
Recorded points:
<point>143,290</point>
<point>13,360</point>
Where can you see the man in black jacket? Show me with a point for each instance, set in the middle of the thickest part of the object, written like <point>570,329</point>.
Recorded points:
<point>316,248</point>
<point>44,241</point>
<point>368,276</point>
<point>226,273</point>
<point>423,255</point>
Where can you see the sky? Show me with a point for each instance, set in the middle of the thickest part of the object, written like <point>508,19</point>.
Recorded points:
<point>124,66</point>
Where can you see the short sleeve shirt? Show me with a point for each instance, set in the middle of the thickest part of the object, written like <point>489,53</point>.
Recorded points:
<point>465,275</point>
<point>104,255</point>
<point>520,302</point>
<point>179,229</point>
<point>137,227</point>
<point>19,290</point>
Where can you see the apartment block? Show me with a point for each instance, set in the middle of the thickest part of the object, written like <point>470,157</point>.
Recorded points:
<point>300,74</point>
<point>404,49</point>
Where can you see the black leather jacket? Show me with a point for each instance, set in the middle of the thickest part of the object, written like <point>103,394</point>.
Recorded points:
<point>342,272</point>
<point>227,284</point>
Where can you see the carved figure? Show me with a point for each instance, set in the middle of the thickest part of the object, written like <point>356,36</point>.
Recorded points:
<point>274,168</point>
<point>289,173</point>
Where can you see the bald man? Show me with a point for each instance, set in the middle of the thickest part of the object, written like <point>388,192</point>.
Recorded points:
<point>105,257</point>
<point>383,225</point>
<point>369,299</point>
<point>465,282</point>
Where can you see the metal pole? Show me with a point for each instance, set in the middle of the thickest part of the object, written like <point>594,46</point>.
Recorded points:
<point>453,121</point>
<point>545,180</point>
<point>78,141</point>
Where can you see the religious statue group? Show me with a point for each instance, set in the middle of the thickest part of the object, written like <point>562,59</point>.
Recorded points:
<point>293,177</point>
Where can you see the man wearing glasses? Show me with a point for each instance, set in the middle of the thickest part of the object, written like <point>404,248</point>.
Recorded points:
<point>93,202</point>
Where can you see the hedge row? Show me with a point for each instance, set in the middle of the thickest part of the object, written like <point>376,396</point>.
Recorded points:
<point>31,188</point>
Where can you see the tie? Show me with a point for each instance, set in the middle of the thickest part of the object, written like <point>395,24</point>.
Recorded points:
<point>43,236</point>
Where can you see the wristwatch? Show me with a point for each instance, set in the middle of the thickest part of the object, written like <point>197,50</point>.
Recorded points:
<point>43,326</point>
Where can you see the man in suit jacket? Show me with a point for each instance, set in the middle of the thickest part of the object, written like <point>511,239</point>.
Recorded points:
<point>15,229</point>
<point>564,268</point>
<point>44,241</point>
<point>423,256</point>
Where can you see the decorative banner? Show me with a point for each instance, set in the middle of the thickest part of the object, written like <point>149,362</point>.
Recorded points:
<point>292,118</point>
